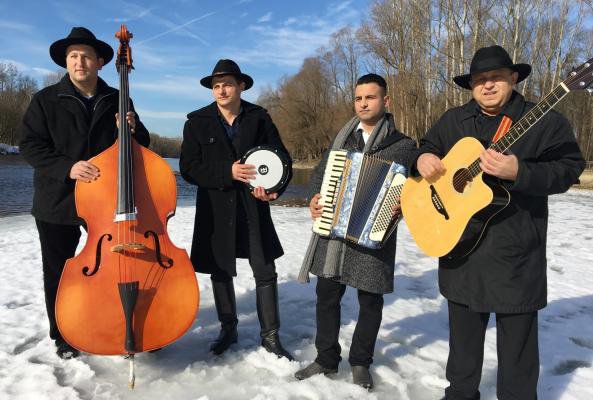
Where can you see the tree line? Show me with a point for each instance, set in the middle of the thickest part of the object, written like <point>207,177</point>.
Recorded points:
<point>418,46</point>
<point>16,90</point>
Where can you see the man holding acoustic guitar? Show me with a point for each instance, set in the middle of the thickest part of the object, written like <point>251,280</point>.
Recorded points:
<point>505,272</point>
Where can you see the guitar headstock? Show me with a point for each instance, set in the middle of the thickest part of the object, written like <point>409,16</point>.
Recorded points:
<point>581,77</point>
<point>124,53</point>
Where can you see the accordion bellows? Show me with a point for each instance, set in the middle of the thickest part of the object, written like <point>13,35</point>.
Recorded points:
<point>358,193</point>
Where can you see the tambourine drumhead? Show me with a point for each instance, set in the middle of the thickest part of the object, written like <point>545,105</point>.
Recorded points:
<point>271,167</point>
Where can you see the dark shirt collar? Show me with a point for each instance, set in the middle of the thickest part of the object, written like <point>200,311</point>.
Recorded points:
<point>235,121</point>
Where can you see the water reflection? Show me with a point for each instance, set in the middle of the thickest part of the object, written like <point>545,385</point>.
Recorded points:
<point>16,187</point>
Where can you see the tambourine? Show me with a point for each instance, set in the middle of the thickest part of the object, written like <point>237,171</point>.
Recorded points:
<point>272,167</point>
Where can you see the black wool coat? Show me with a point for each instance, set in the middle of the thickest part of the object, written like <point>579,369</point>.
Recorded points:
<point>506,273</point>
<point>57,133</point>
<point>206,160</point>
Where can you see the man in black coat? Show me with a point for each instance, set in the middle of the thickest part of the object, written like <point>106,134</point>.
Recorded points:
<point>230,221</point>
<point>506,273</point>
<point>65,125</point>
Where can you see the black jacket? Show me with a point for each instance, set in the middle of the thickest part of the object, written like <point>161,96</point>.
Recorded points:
<point>506,273</point>
<point>56,134</point>
<point>206,160</point>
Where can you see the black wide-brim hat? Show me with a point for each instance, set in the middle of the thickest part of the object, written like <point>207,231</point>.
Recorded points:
<point>489,59</point>
<point>79,35</point>
<point>227,67</point>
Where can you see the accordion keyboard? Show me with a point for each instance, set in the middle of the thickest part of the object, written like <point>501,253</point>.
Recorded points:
<point>330,187</point>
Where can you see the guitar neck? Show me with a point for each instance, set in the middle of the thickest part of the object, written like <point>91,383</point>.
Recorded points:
<point>524,124</point>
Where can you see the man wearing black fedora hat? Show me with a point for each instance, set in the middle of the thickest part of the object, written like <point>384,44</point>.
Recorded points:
<point>506,273</point>
<point>230,221</point>
<point>65,125</point>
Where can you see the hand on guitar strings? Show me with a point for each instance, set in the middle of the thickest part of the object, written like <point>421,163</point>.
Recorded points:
<point>314,207</point>
<point>430,166</point>
<point>130,117</point>
<point>84,171</point>
<point>500,165</point>
<point>243,172</point>
<point>260,194</point>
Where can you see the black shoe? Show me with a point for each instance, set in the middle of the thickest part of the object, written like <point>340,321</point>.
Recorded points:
<point>227,336</point>
<point>65,351</point>
<point>269,319</point>
<point>361,376</point>
<point>314,369</point>
<point>226,310</point>
<point>271,342</point>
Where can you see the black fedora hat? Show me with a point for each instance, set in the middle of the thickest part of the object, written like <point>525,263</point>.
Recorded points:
<point>489,59</point>
<point>227,67</point>
<point>79,35</point>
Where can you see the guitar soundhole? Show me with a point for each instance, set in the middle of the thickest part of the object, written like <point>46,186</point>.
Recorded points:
<point>461,180</point>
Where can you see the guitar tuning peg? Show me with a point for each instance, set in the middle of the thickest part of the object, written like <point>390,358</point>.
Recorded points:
<point>590,90</point>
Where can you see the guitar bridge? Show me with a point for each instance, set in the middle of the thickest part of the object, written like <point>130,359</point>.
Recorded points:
<point>438,203</point>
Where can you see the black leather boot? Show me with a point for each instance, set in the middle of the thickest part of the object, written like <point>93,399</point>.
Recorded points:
<point>226,309</point>
<point>269,319</point>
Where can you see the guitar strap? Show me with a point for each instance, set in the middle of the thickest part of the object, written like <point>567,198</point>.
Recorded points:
<point>503,128</point>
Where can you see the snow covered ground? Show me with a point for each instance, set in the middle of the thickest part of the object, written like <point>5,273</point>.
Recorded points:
<point>411,350</point>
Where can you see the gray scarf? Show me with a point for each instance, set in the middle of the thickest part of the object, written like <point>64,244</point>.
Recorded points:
<point>334,258</point>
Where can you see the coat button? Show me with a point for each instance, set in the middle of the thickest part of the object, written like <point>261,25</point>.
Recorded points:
<point>211,140</point>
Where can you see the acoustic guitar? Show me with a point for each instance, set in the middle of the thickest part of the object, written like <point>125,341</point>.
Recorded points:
<point>448,215</point>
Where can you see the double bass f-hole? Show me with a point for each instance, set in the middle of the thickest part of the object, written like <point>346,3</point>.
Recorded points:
<point>85,270</point>
<point>157,249</point>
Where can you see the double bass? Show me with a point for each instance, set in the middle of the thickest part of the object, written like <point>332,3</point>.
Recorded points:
<point>130,289</point>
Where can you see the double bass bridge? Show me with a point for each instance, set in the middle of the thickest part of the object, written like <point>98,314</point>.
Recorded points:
<point>120,248</point>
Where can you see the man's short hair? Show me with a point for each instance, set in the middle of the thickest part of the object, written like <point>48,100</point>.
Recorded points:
<point>372,78</point>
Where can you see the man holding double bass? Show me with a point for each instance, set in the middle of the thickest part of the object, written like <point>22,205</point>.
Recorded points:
<point>232,222</point>
<point>65,125</point>
<point>506,272</point>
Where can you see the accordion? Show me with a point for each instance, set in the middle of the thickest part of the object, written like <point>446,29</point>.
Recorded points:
<point>358,193</point>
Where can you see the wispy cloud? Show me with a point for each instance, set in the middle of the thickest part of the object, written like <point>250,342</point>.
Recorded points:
<point>288,44</point>
<point>42,71</point>
<point>19,65</point>
<point>180,86</point>
<point>179,27</point>
<point>17,26</point>
<point>265,18</point>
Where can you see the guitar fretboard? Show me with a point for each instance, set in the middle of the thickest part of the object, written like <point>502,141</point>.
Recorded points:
<point>523,125</point>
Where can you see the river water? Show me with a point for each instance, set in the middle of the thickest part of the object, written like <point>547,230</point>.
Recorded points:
<point>16,187</point>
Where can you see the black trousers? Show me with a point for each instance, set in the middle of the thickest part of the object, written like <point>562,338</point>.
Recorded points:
<point>329,296</point>
<point>517,348</point>
<point>246,244</point>
<point>58,244</point>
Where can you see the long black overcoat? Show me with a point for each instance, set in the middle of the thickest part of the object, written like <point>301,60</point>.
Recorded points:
<point>57,133</point>
<point>206,160</point>
<point>507,271</point>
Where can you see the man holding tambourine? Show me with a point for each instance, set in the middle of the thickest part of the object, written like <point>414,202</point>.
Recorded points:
<point>232,211</point>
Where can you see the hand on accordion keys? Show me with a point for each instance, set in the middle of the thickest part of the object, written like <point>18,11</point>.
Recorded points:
<point>396,209</point>
<point>314,207</point>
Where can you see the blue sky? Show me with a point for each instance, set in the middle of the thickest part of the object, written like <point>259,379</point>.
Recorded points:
<point>176,42</point>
